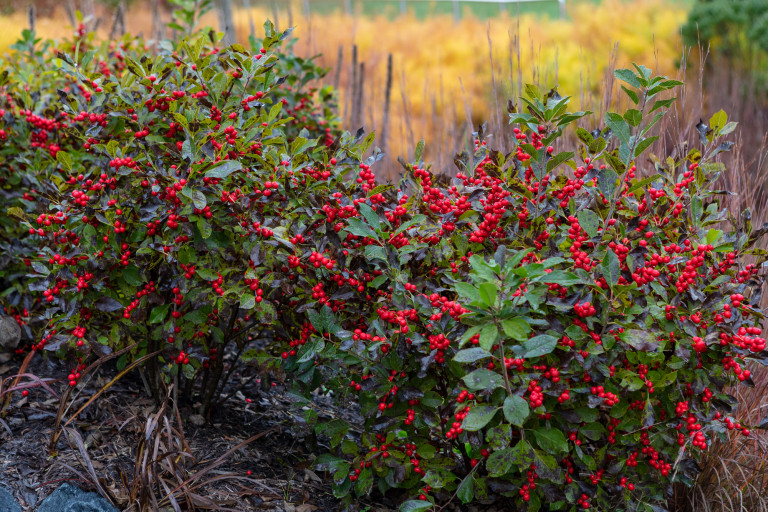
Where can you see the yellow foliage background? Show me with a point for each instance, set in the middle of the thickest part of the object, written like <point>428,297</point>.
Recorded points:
<point>442,69</point>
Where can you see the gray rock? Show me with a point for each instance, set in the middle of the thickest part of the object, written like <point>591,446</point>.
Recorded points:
<point>7,503</point>
<point>69,498</point>
<point>10,333</point>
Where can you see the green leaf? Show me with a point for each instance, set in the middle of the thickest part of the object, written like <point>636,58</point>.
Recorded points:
<point>376,252</point>
<point>370,216</point>
<point>470,355</point>
<point>560,277</point>
<point>499,436</point>
<point>642,183</point>
<point>516,410</point>
<point>300,145</point>
<point>64,159</point>
<point>131,275</point>
<point>311,349</point>
<point>488,293</point>
<point>584,136</point>
<point>713,235</point>
<point>606,182</point>
<point>316,320</point>
<point>611,268</point>
<point>465,290</point>
<point>197,197</point>
<point>247,301</point>
<point>665,380</point>
<point>206,274</point>
<point>718,120</point>
<point>589,222</point>
<point>466,490</point>
<point>644,144</point>
<point>728,128</point>
<point>661,104</point>
<point>415,506</point>
<point>619,126</point>
<point>499,462</point>
<point>627,75</point>
<point>483,378</point>
<point>632,94</point>
<point>478,417</point>
<point>222,170</point>
<point>158,314</point>
<point>204,227</point>
<point>489,336</point>
<point>643,74</point>
<point>419,150</point>
<point>516,328</point>
<point>359,228</point>
<point>641,340</point>
<point>551,440</point>
<point>558,159</point>
<point>593,431</point>
<point>633,116</point>
<point>532,91</point>
<point>539,345</point>
<point>274,111</point>
<point>417,219</point>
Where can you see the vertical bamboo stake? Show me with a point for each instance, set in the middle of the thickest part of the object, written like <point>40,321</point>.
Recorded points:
<point>251,26</point>
<point>156,21</point>
<point>90,12</point>
<point>360,96</point>
<point>290,15</point>
<point>339,63</point>
<point>31,17</point>
<point>496,116</point>
<point>468,111</point>
<point>387,95</point>
<point>348,112</point>
<point>407,112</point>
<point>226,22</point>
<point>274,15</point>
<point>118,23</point>
<point>69,8</point>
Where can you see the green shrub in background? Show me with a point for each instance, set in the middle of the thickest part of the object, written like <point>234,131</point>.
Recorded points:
<point>735,31</point>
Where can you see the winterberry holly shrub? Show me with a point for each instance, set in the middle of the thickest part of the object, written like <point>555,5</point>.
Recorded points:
<point>143,194</point>
<point>553,329</point>
<point>547,328</point>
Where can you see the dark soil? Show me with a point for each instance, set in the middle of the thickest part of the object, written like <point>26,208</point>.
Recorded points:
<point>99,450</point>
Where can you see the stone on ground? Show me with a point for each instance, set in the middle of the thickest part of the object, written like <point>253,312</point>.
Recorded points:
<point>10,333</point>
<point>7,503</point>
<point>69,498</point>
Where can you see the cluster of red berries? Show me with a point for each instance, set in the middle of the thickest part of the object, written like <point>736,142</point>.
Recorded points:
<point>609,398</point>
<point>182,358</point>
<point>536,397</point>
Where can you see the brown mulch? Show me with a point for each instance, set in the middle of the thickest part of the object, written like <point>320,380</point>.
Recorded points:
<point>111,428</point>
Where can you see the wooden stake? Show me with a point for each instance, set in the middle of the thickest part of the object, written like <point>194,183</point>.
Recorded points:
<point>31,16</point>
<point>359,102</point>
<point>251,26</point>
<point>338,68</point>
<point>387,95</point>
